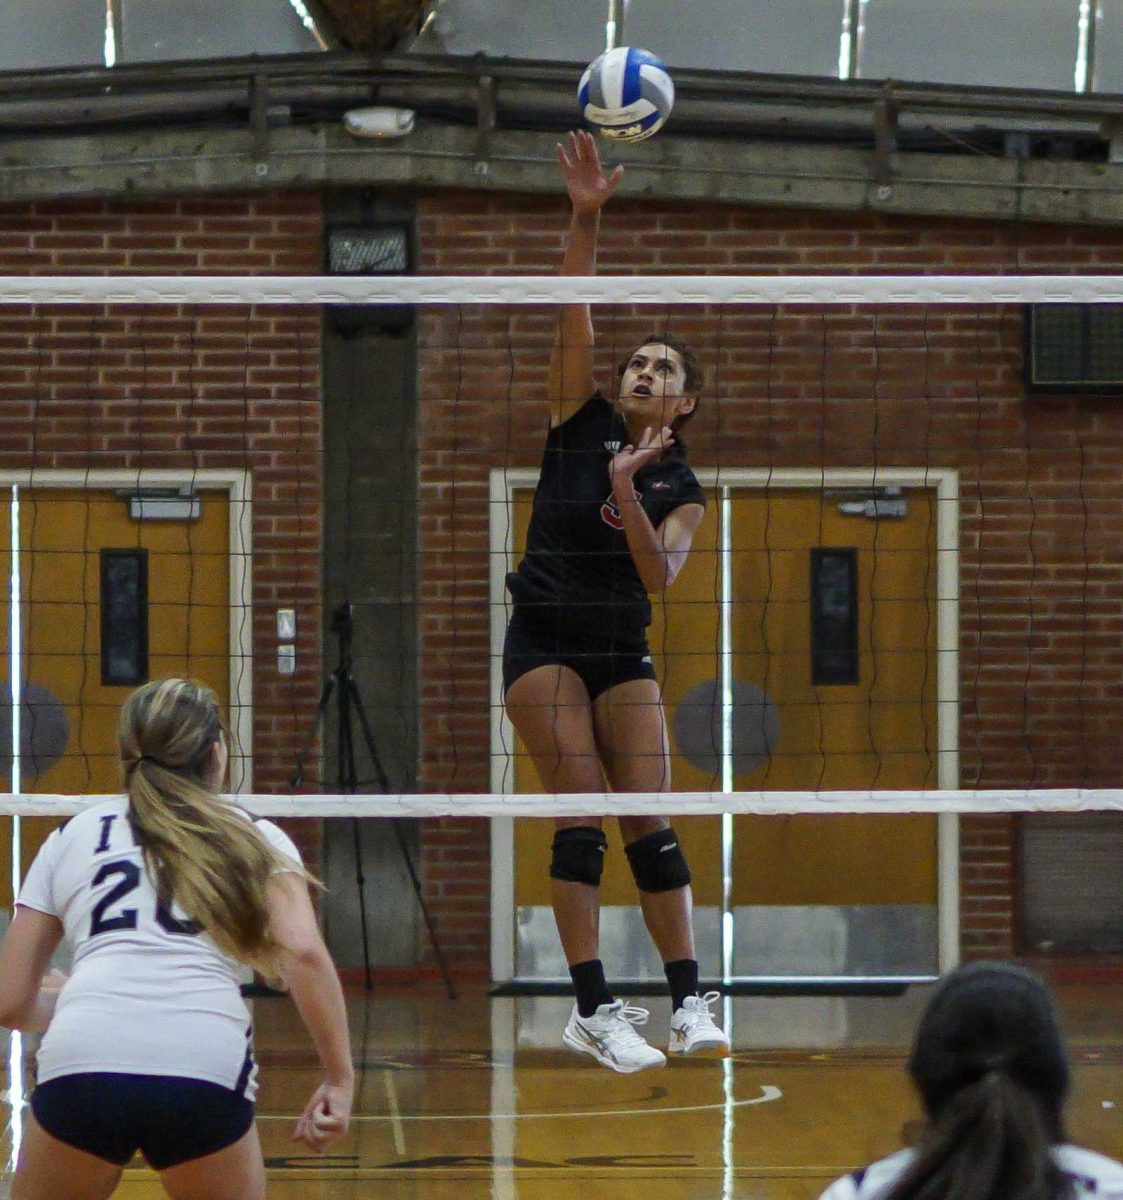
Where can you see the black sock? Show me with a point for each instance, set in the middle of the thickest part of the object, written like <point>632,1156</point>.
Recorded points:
<point>682,975</point>
<point>590,986</point>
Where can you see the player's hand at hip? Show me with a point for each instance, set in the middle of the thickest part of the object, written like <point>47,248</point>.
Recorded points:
<point>630,459</point>
<point>325,1118</point>
<point>588,186</point>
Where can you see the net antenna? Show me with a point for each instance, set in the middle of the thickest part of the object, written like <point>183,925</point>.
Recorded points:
<point>614,26</point>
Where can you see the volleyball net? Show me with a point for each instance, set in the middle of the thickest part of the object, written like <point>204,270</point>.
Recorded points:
<point>902,598</point>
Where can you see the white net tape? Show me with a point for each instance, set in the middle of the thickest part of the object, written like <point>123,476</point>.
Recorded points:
<point>779,803</point>
<point>659,290</point>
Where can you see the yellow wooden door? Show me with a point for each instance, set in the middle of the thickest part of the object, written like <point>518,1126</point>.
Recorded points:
<point>5,684</point>
<point>876,733</point>
<point>62,536</point>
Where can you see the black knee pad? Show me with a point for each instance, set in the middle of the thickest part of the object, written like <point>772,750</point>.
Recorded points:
<point>657,862</point>
<point>579,855</point>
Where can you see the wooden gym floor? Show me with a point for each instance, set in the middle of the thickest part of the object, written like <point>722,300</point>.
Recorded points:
<point>475,1098</point>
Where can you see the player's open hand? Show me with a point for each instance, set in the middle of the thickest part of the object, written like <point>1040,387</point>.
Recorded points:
<point>325,1118</point>
<point>588,186</point>
<point>630,459</point>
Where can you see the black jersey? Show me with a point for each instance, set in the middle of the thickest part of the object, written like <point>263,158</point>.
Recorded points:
<point>578,571</point>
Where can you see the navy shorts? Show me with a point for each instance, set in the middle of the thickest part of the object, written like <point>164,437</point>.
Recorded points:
<point>168,1119</point>
<point>532,643</point>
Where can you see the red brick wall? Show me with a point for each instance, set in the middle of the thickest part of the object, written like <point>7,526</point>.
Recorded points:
<point>1040,640</point>
<point>186,388</point>
<point>1041,651</point>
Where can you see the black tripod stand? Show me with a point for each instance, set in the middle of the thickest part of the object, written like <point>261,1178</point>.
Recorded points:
<point>348,702</point>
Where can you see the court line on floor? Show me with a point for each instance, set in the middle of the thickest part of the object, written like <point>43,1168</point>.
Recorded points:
<point>395,1112</point>
<point>768,1093</point>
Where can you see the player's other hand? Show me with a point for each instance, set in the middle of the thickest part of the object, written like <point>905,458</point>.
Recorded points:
<point>325,1118</point>
<point>630,459</point>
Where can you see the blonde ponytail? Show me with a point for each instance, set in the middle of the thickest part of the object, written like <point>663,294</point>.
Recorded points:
<point>201,853</point>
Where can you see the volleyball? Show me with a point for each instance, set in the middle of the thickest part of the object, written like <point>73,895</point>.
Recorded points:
<point>626,94</point>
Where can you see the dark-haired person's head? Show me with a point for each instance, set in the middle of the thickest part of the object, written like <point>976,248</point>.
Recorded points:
<point>991,1017</point>
<point>660,382</point>
<point>990,1065</point>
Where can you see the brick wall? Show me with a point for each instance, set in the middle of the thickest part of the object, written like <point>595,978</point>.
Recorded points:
<point>186,388</point>
<point>1041,651</point>
<point>1040,644</point>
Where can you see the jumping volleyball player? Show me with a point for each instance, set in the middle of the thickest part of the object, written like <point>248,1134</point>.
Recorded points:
<point>614,515</point>
<point>160,895</point>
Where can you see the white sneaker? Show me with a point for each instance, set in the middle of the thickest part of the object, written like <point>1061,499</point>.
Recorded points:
<point>693,1030</point>
<point>609,1036</point>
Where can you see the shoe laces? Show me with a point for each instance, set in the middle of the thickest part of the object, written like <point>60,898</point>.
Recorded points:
<point>700,1014</point>
<point>624,1018</point>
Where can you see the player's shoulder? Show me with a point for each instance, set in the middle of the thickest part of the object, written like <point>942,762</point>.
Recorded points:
<point>685,473</point>
<point>261,824</point>
<point>91,819</point>
<point>82,835</point>
<point>869,1181</point>
<point>1095,1174</point>
<point>274,835</point>
<point>675,473</point>
<point>595,412</point>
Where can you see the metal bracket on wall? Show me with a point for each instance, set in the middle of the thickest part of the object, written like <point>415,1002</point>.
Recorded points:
<point>885,114</point>
<point>485,122</point>
<point>259,121</point>
<point>162,504</point>
<point>871,502</point>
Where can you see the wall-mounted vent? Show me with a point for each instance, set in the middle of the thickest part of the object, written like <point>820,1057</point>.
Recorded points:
<point>1075,348</point>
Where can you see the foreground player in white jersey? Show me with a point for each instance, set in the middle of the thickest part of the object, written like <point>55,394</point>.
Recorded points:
<point>161,895</point>
<point>991,1070</point>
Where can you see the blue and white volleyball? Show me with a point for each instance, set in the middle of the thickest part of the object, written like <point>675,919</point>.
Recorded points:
<point>626,94</point>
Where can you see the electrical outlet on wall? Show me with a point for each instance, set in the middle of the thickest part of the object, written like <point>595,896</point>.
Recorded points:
<point>286,624</point>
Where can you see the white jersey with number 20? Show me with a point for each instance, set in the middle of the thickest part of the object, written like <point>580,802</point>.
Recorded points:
<point>148,994</point>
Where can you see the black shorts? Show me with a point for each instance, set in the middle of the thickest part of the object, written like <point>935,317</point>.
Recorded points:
<point>168,1119</point>
<point>532,643</point>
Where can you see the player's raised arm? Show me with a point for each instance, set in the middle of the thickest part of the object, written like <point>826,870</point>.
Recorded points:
<point>571,364</point>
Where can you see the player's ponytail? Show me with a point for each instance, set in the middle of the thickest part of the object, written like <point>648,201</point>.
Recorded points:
<point>201,853</point>
<point>989,1142</point>
<point>990,1067</point>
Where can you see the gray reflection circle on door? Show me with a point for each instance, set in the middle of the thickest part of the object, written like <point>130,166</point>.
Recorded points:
<point>755,724</point>
<point>44,730</point>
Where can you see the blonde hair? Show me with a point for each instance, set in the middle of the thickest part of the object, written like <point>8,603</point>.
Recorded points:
<point>200,851</point>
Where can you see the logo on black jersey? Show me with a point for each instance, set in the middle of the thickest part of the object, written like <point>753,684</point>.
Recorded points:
<point>610,512</point>
<point>614,447</point>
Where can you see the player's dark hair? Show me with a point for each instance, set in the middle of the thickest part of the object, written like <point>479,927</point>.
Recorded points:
<point>694,378</point>
<point>200,851</point>
<point>990,1066</point>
